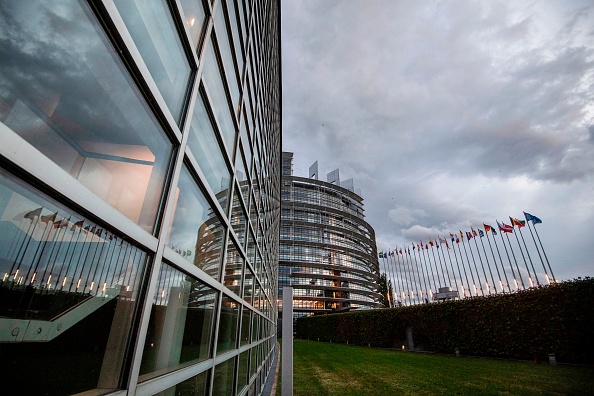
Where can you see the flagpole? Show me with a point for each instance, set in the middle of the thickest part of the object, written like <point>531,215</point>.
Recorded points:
<point>442,269</point>
<point>80,256</point>
<point>414,265</point>
<point>482,265</point>
<point>437,269</point>
<point>42,244</point>
<point>429,268</point>
<point>515,260</point>
<point>395,278</point>
<point>66,263</point>
<point>489,265</point>
<point>545,254</point>
<point>403,271</point>
<point>529,258</point>
<point>454,271</point>
<point>469,267</point>
<point>478,275</point>
<point>523,258</point>
<point>452,284</point>
<point>111,245</point>
<point>399,277</point>
<point>456,280</point>
<point>537,250</point>
<point>57,241</point>
<point>412,275</point>
<point>424,262</point>
<point>495,261</point>
<point>418,260</point>
<point>464,268</point>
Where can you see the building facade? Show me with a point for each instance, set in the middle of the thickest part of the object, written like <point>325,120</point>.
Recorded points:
<point>140,163</point>
<point>327,250</point>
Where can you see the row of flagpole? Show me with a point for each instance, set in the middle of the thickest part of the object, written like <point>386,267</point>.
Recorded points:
<point>59,253</point>
<point>417,271</point>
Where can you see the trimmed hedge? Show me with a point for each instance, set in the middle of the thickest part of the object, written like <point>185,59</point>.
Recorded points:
<point>527,324</point>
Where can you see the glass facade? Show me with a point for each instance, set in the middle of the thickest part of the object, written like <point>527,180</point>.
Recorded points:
<point>139,196</point>
<point>327,249</point>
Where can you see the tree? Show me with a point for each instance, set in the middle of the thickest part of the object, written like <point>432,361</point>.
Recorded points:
<point>385,289</point>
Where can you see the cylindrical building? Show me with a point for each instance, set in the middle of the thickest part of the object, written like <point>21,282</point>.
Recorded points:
<point>327,249</point>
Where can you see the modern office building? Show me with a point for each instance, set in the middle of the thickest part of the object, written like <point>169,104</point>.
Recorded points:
<point>140,159</point>
<point>327,250</point>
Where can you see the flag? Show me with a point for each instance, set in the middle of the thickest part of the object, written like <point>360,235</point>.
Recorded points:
<point>461,235</point>
<point>469,235</point>
<point>62,223</point>
<point>516,222</point>
<point>431,242</point>
<point>448,246</point>
<point>414,247</point>
<point>481,233</point>
<point>452,236</point>
<point>381,254</point>
<point>426,247</point>
<point>474,232</point>
<point>36,213</point>
<point>76,225</point>
<point>489,228</point>
<point>505,228</point>
<point>533,219</point>
<point>442,240</point>
<point>46,219</point>
<point>457,240</point>
<point>400,250</point>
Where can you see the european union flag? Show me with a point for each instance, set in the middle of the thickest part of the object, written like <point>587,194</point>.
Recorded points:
<point>533,219</point>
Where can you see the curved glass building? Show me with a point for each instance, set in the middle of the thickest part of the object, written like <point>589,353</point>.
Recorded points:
<point>327,249</point>
<point>140,174</point>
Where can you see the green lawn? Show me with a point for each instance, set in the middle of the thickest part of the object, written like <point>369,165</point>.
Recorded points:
<point>338,369</point>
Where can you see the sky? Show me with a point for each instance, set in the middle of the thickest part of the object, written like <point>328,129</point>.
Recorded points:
<point>449,115</point>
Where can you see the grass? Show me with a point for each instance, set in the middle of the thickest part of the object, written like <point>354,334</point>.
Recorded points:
<point>338,369</point>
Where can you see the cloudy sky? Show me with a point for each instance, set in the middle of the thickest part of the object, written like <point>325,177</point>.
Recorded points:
<point>449,115</point>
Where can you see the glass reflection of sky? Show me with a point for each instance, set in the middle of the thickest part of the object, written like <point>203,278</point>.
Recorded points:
<point>65,91</point>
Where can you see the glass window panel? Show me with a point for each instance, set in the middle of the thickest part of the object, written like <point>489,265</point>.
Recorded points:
<point>251,248</point>
<point>242,371</point>
<point>227,325</point>
<point>194,386</point>
<point>242,20</point>
<point>238,219</point>
<point>243,129</point>
<point>224,373</point>
<point>180,327</point>
<point>245,326</point>
<point>73,279</point>
<point>240,167</point>
<point>248,285</point>
<point>208,153</point>
<point>196,232</point>
<point>225,48</point>
<point>253,359</point>
<point>152,28</point>
<point>233,268</point>
<point>235,33</point>
<point>71,98</point>
<point>220,105</point>
<point>194,17</point>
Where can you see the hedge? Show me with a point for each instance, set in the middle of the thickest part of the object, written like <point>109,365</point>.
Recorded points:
<point>527,324</point>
